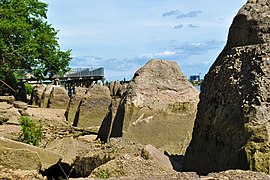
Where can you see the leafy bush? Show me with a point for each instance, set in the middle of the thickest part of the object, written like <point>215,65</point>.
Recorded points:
<point>31,133</point>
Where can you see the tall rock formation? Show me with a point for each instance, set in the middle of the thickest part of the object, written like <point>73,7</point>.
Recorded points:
<point>158,108</point>
<point>93,107</point>
<point>232,126</point>
<point>74,103</point>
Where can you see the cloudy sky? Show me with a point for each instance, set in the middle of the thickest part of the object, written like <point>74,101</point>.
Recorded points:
<point>122,35</point>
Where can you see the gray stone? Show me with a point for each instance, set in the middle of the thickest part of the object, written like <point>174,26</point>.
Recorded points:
<point>232,126</point>
<point>20,105</point>
<point>87,138</point>
<point>4,106</point>
<point>150,152</point>
<point>10,114</point>
<point>59,98</point>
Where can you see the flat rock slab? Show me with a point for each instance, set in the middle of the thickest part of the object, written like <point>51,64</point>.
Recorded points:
<point>19,159</point>
<point>48,116</point>
<point>47,158</point>
<point>20,105</point>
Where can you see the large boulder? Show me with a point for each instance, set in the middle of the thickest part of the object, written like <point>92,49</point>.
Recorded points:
<point>158,108</point>
<point>232,126</point>
<point>93,107</point>
<point>59,98</point>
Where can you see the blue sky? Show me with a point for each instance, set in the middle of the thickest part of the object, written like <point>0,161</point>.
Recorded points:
<point>122,35</point>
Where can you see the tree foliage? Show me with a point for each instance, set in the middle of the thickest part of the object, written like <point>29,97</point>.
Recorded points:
<point>27,42</point>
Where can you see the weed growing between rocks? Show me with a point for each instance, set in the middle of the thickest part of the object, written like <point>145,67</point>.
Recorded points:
<point>104,174</point>
<point>30,133</point>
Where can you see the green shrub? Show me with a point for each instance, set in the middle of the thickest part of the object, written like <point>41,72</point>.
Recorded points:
<point>30,132</point>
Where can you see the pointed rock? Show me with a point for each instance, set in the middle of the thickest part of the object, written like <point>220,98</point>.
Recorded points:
<point>165,100</point>
<point>232,126</point>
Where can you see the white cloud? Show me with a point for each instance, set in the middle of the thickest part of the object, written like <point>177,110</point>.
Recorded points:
<point>165,53</point>
<point>158,54</point>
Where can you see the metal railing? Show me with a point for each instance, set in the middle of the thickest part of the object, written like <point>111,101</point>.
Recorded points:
<point>85,72</point>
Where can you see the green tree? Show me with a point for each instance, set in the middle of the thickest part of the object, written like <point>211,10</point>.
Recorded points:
<point>27,42</point>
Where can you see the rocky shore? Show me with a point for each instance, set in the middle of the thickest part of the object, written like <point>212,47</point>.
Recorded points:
<point>151,127</point>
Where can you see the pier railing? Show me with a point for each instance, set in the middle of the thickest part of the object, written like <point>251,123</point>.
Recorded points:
<point>85,72</point>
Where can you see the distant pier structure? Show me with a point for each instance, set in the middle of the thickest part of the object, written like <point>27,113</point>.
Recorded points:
<point>76,77</point>
<point>82,77</point>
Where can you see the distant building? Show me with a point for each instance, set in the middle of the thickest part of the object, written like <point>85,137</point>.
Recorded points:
<point>195,78</point>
